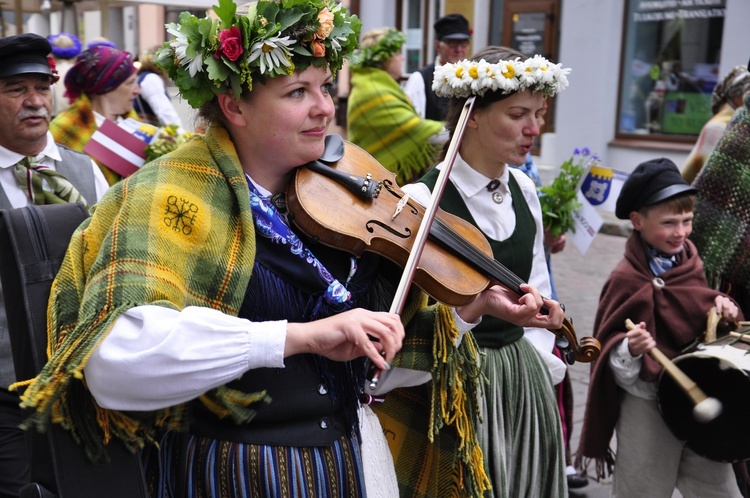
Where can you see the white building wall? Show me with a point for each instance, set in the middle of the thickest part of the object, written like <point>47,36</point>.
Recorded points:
<point>377,14</point>
<point>590,41</point>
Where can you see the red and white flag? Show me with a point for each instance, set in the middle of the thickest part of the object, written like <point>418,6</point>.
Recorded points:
<point>117,149</point>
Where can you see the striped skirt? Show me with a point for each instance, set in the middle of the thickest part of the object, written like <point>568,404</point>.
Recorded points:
<point>520,433</point>
<point>188,466</point>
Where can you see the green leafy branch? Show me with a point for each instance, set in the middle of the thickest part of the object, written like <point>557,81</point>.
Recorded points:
<point>559,200</point>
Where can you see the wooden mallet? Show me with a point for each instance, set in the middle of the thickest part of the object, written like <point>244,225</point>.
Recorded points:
<point>706,409</point>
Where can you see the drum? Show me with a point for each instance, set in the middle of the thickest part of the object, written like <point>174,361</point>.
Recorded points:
<point>722,371</point>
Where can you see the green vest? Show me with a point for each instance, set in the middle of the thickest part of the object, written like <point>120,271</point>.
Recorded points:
<point>515,253</point>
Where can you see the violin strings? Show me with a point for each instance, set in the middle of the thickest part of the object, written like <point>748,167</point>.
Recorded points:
<point>492,266</point>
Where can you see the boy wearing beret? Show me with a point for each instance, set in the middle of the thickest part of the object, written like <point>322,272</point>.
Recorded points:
<point>661,287</point>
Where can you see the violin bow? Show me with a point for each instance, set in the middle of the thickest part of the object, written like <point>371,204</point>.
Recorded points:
<point>423,232</point>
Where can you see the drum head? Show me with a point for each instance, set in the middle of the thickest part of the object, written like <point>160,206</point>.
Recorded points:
<point>724,439</point>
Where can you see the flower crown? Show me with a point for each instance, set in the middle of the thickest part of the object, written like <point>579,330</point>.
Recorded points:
<point>212,56</point>
<point>467,77</point>
<point>380,52</point>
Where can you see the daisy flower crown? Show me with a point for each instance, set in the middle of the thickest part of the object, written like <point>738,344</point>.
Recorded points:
<point>467,77</point>
<point>377,54</point>
<point>211,56</point>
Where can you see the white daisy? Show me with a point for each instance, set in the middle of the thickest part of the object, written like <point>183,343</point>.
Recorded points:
<point>180,45</point>
<point>273,52</point>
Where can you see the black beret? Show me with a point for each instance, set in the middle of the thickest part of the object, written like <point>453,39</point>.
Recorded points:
<point>452,27</point>
<point>651,182</point>
<point>24,54</point>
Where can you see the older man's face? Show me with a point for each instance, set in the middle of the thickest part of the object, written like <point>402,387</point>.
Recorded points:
<point>25,104</point>
<point>452,51</point>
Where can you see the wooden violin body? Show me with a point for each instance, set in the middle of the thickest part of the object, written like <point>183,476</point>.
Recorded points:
<point>457,262</point>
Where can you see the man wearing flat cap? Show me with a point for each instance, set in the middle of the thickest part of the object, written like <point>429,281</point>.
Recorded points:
<point>659,285</point>
<point>33,169</point>
<point>452,35</point>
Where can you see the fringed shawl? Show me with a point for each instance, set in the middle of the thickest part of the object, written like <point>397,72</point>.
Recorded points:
<point>177,233</point>
<point>74,126</point>
<point>432,429</point>
<point>381,119</point>
<point>675,313</point>
<point>721,228</point>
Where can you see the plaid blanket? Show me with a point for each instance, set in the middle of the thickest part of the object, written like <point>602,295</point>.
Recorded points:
<point>381,119</point>
<point>432,429</point>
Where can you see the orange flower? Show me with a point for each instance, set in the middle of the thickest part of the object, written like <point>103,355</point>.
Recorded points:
<point>325,18</point>
<point>318,49</point>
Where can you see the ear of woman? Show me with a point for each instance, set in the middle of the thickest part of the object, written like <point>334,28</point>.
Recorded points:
<point>232,109</point>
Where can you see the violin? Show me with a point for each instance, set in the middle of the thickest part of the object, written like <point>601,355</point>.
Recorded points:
<point>349,201</point>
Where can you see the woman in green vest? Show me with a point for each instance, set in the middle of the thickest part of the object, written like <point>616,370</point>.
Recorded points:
<point>520,432</point>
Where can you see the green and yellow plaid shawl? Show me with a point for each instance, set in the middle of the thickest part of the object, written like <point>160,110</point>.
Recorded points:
<point>178,233</point>
<point>74,126</point>
<point>381,119</point>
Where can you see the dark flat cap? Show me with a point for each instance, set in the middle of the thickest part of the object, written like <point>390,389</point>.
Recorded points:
<point>24,54</point>
<point>452,27</point>
<point>650,183</point>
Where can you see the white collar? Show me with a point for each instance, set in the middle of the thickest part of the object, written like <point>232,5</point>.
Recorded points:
<point>469,181</point>
<point>9,158</point>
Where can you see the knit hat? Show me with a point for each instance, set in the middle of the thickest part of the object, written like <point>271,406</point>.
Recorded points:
<point>452,27</point>
<point>97,71</point>
<point>650,183</point>
<point>25,54</point>
<point>65,45</point>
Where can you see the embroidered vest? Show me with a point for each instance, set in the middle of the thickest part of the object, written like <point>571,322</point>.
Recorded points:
<point>515,253</point>
<point>313,399</point>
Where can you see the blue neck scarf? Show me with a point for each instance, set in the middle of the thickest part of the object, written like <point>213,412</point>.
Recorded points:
<point>660,262</point>
<point>270,224</point>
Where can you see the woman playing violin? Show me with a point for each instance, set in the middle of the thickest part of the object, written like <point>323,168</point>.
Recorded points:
<point>197,315</point>
<point>519,433</point>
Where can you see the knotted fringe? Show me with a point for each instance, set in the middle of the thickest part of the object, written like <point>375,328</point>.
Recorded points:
<point>410,167</point>
<point>603,466</point>
<point>457,385</point>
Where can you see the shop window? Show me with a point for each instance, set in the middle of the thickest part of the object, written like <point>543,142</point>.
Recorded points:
<point>670,66</point>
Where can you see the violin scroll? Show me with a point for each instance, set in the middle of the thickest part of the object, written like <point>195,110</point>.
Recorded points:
<point>586,351</point>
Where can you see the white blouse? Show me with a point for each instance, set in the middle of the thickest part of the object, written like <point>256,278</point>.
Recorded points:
<point>498,221</point>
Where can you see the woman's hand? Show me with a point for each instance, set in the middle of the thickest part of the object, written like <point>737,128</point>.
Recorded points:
<point>640,340</point>
<point>503,303</point>
<point>349,335</point>
<point>555,244</point>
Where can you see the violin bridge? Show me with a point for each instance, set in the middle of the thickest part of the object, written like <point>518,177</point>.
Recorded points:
<point>400,206</point>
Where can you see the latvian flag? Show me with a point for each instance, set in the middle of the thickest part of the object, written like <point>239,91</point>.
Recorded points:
<point>117,149</point>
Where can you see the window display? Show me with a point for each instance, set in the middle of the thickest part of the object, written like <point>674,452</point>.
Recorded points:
<point>670,66</point>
